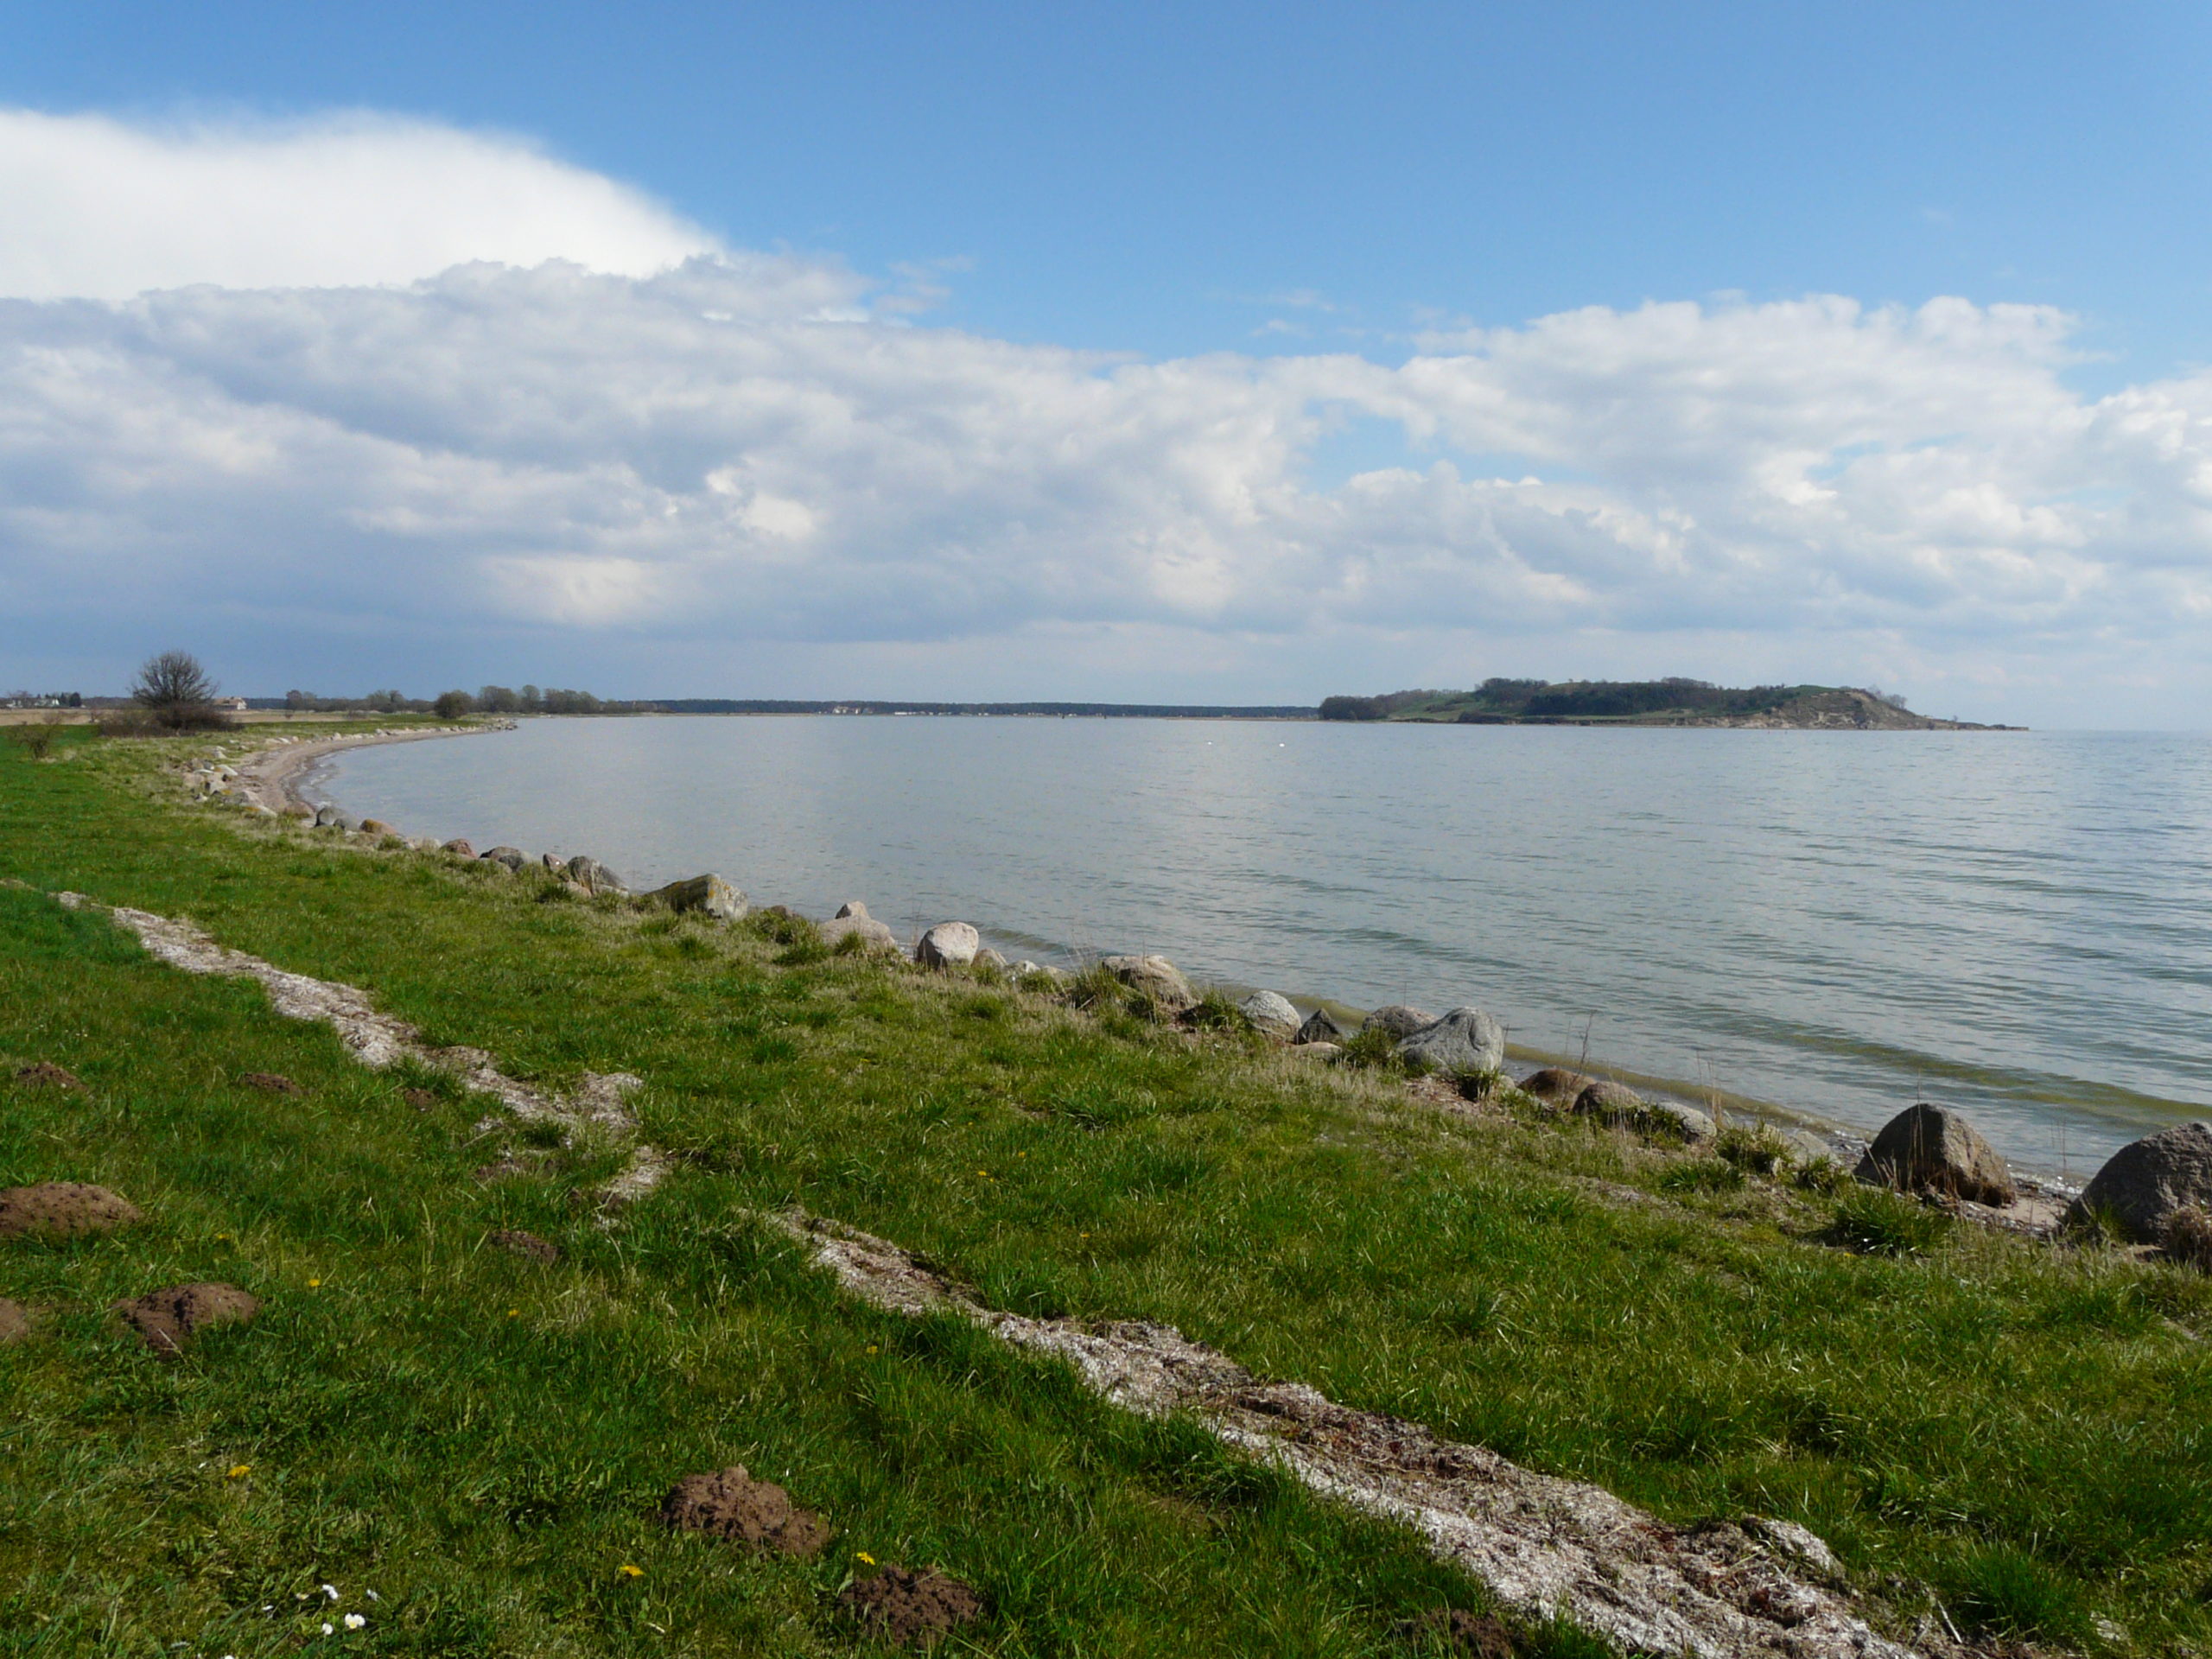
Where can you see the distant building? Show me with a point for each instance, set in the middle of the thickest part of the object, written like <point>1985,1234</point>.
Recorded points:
<point>236,705</point>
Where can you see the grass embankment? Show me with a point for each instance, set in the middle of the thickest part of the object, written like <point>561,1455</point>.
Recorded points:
<point>2017,1431</point>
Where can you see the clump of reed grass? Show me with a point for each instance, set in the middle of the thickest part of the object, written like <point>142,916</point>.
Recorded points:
<point>2185,1236</point>
<point>1875,1221</point>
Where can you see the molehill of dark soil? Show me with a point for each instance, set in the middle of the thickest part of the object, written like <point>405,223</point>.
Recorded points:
<point>44,1074</point>
<point>912,1610</point>
<point>62,1209</point>
<point>1456,1630</point>
<point>516,1241</point>
<point>169,1319</point>
<point>756,1513</point>
<point>15,1321</point>
<point>271,1083</point>
<point>421,1099</point>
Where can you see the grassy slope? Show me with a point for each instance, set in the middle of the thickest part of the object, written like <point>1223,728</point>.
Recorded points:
<point>482,1441</point>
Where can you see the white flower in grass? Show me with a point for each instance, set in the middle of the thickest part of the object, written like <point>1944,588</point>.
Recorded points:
<point>330,1590</point>
<point>354,1621</point>
<point>328,1629</point>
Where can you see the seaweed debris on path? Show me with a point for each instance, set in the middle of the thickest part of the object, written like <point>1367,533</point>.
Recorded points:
<point>380,1041</point>
<point>1545,1546</point>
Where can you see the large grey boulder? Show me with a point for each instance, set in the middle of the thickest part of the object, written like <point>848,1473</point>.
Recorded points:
<point>855,922</point>
<point>594,876</point>
<point>1319,1028</point>
<point>987,957</point>
<point>948,944</point>
<point>1466,1039</point>
<point>1398,1019</point>
<point>852,911</point>
<point>1614,1104</point>
<point>459,848</point>
<point>555,864</point>
<point>1927,1149</point>
<point>512,857</point>
<point>1155,977</point>
<point>1270,1011</point>
<point>2146,1181</point>
<point>325,816</point>
<point>709,895</point>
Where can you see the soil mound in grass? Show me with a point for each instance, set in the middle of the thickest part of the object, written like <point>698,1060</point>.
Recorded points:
<point>1555,1085</point>
<point>271,1083</point>
<point>169,1319</point>
<point>912,1610</point>
<point>62,1209</point>
<point>518,1243</point>
<point>421,1099</point>
<point>756,1513</point>
<point>1456,1630</point>
<point>15,1321</point>
<point>44,1074</point>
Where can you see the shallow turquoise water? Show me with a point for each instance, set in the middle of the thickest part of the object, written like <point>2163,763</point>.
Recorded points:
<point>2019,923</point>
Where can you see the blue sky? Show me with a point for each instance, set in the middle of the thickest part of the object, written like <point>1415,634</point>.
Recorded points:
<point>1201,191</point>
<point>1147,177</point>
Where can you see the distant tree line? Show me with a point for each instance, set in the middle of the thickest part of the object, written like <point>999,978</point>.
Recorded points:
<point>452,705</point>
<point>1507,699</point>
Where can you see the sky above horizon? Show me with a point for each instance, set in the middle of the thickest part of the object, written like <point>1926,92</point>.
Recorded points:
<point>1214,353</point>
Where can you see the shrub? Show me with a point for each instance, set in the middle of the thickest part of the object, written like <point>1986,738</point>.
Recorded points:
<point>1216,1011</point>
<point>2001,1590</point>
<point>1376,1049</point>
<point>1703,1175</point>
<point>1822,1175</point>
<point>1757,1151</point>
<point>1874,1221</point>
<point>452,705</point>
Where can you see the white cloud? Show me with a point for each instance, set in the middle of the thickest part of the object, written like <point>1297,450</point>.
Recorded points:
<point>96,208</point>
<point>747,455</point>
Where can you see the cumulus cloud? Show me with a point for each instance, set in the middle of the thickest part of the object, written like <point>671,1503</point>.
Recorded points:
<point>742,452</point>
<point>97,208</point>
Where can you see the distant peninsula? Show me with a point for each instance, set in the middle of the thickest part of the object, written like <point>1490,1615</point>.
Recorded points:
<point>1650,702</point>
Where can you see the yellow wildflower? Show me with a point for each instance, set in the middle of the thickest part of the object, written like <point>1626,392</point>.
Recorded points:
<point>239,1471</point>
<point>630,1572</point>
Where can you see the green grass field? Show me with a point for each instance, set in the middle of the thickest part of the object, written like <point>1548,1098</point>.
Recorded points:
<point>2012,1432</point>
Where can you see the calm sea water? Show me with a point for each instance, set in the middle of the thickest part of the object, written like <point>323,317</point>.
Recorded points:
<point>2019,923</point>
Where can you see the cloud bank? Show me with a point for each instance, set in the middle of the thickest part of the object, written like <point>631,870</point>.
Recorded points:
<point>742,455</point>
<point>97,209</point>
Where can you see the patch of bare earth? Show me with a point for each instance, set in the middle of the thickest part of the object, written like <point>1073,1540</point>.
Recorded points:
<point>516,1241</point>
<point>1456,1630</point>
<point>909,1609</point>
<point>15,1321</point>
<point>271,1083</point>
<point>44,1074</point>
<point>167,1319</point>
<point>62,1209</point>
<point>757,1514</point>
<point>380,1039</point>
<point>1545,1546</point>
